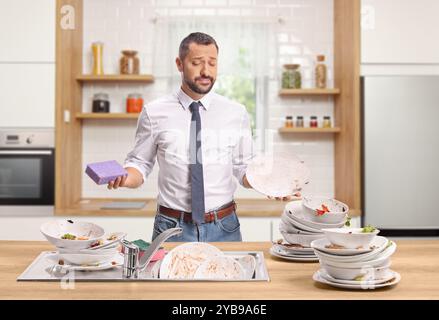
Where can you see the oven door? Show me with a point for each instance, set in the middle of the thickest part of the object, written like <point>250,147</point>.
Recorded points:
<point>27,176</point>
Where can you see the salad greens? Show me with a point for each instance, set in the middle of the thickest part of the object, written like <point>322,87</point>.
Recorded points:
<point>368,229</point>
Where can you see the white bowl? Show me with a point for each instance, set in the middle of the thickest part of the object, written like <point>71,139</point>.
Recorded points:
<point>338,210</point>
<point>88,259</point>
<point>367,274</point>
<point>350,238</point>
<point>302,239</point>
<point>55,229</point>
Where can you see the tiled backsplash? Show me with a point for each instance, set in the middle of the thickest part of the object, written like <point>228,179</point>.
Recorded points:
<point>303,30</point>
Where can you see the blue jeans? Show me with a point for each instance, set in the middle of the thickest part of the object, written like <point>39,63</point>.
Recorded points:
<point>225,229</point>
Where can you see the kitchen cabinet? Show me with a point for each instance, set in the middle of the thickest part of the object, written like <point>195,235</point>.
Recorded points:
<point>27,31</point>
<point>399,32</point>
<point>27,95</point>
<point>415,260</point>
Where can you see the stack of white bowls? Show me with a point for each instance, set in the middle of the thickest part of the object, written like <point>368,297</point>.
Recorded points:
<point>301,224</point>
<point>355,258</point>
<point>98,248</point>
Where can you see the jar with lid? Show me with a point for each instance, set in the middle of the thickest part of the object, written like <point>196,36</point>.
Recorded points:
<point>129,62</point>
<point>291,77</point>
<point>320,72</point>
<point>97,50</point>
<point>101,103</point>
<point>299,122</point>
<point>134,103</point>
<point>327,122</point>
<point>289,122</point>
<point>313,122</point>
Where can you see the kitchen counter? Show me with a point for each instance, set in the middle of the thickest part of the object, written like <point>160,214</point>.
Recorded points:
<point>416,260</point>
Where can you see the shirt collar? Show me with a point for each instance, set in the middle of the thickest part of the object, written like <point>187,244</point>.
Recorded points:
<point>186,101</point>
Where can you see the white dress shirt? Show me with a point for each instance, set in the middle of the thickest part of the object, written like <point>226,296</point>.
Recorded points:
<point>163,131</point>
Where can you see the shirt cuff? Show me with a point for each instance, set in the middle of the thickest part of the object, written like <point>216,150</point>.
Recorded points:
<point>240,176</point>
<point>136,166</point>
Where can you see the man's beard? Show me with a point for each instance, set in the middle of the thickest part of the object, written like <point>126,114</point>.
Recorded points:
<point>193,86</point>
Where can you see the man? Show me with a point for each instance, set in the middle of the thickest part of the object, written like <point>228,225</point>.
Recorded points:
<point>200,140</point>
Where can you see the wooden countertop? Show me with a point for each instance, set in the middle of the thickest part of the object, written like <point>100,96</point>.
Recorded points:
<point>245,208</point>
<point>416,260</point>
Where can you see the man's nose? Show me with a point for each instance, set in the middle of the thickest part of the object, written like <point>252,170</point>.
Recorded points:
<point>205,71</point>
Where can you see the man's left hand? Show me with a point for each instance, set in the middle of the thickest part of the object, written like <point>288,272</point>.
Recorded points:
<point>296,196</point>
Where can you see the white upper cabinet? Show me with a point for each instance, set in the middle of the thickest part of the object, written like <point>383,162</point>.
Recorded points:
<point>400,31</point>
<point>27,30</point>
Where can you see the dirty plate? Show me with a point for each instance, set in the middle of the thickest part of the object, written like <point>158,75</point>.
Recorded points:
<point>277,175</point>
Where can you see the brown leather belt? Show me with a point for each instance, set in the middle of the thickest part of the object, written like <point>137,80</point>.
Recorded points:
<point>208,217</point>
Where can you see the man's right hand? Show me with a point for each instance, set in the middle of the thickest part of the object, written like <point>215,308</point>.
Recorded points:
<point>134,179</point>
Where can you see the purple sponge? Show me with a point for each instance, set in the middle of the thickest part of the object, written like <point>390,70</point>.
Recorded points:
<point>104,172</point>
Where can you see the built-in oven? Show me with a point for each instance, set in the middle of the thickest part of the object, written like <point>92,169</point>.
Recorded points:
<point>27,166</point>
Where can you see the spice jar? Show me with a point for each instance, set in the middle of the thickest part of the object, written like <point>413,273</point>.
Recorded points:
<point>129,62</point>
<point>291,77</point>
<point>320,72</point>
<point>101,103</point>
<point>97,50</point>
<point>299,121</point>
<point>289,122</point>
<point>134,103</point>
<point>327,122</point>
<point>313,122</point>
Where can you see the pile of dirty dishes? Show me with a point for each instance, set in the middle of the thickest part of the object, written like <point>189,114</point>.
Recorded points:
<point>302,222</point>
<point>82,245</point>
<point>355,258</point>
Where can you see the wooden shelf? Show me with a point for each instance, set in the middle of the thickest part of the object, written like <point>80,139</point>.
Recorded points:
<point>309,130</point>
<point>144,78</point>
<point>112,116</point>
<point>309,92</point>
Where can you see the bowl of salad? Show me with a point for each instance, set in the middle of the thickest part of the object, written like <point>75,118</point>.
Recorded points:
<point>324,210</point>
<point>73,235</point>
<point>351,238</point>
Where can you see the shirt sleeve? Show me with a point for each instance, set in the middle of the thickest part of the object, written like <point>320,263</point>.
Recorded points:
<point>243,151</point>
<point>144,153</point>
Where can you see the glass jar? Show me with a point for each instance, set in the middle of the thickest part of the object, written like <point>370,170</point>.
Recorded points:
<point>320,72</point>
<point>289,122</point>
<point>129,62</point>
<point>134,103</point>
<point>101,103</point>
<point>299,122</point>
<point>97,50</point>
<point>327,122</point>
<point>291,77</point>
<point>313,122</point>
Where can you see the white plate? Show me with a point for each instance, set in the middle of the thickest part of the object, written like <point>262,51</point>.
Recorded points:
<point>319,278</point>
<point>294,211</point>
<point>183,261</point>
<point>281,250</point>
<point>109,243</point>
<point>293,258</point>
<point>87,258</point>
<point>248,263</point>
<point>321,244</point>
<point>277,175</point>
<point>54,258</point>
<point>299,225</point>
<point>288,226</point>
<point>360,259</point>
<point>387,275</point>
<point>220,268</point>
<point>302,239</point>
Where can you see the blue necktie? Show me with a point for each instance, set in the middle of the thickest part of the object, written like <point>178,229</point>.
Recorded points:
<point>196,165</point>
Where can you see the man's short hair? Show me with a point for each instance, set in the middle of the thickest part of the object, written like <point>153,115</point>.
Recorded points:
<point>196,37</point>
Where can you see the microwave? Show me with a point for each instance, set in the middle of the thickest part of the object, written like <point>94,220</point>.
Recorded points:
<point>27,166</point>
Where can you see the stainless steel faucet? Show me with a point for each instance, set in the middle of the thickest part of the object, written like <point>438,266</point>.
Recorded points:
<point>133,265</point>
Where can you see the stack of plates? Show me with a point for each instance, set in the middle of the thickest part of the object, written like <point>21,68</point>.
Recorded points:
<point>298,231</point>
<point>88,247</point>
<point>361,268</point>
